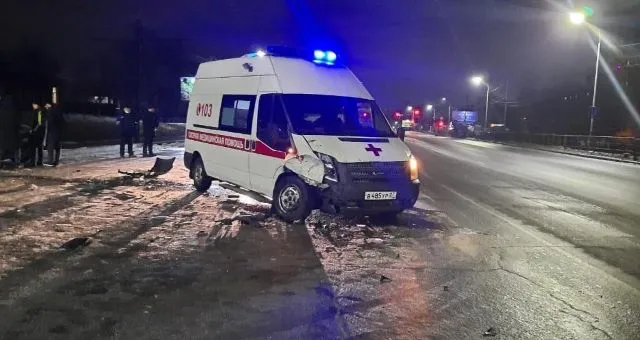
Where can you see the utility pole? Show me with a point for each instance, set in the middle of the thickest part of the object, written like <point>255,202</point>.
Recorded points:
<point>595,88</point>
<point>506,101</point>
<point>486,108</point>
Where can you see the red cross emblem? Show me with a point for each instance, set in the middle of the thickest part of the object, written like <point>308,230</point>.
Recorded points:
<point>371,148</point>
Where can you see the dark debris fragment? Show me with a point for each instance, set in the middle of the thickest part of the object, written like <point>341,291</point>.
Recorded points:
<point>384,279</point>
<point>490,332</point>
<point>76,243</point>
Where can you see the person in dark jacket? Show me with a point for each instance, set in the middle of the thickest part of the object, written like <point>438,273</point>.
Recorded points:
<point>36,136</point>
<point>55,125</point>
<point>149,124</point>
<point>128,128</point>
<point>9,130</point>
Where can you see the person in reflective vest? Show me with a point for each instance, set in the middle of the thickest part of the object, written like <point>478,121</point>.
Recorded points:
<point>36,136</point>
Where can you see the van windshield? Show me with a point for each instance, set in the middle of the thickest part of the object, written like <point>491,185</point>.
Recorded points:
<point>333,115</point>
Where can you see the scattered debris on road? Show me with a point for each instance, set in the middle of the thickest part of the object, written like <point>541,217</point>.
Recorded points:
<point>160,167</point>
<point>490,332</point>
<point>158,219</point>
<point>76,243</point>
<point>384,279</point>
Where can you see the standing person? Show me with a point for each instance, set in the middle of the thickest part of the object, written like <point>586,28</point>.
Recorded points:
<point>55,125</point>
<point>36,136</point>
<point>9,130</point>
<point>127,123</point>
<point>149,124</point>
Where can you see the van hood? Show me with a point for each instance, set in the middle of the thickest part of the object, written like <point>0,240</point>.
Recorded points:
<point>347,149</point>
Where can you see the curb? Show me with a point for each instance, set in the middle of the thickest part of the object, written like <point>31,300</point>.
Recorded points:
<point>567,153</point>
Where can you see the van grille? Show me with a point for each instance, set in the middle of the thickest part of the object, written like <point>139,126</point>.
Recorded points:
<point>378,171</point>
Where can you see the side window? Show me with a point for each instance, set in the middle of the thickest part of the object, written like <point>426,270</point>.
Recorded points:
<point>272,123</point>
<point>236,113</point>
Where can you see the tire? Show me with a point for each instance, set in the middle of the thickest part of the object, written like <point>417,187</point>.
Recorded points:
<point>292,199</point>
<point>201,180</point>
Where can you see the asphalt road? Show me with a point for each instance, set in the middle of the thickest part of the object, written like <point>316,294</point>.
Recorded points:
<point>566,229</point>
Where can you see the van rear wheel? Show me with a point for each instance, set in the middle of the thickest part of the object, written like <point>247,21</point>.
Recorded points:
<point>201,180</point>
<point>292,199</point>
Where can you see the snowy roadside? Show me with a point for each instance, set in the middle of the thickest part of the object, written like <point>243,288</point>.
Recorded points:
<point>167,262</point>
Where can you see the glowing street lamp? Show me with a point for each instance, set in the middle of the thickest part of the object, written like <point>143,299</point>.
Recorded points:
<point>577,18</point>
<point>409,108</point>
<point>429,107</point>
<point>477,80</point>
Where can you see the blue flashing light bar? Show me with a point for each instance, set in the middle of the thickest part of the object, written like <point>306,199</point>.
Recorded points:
<point>320,57</point>
<point>324,57</point>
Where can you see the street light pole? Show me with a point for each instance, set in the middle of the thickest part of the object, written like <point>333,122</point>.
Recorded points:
<point>579,18</point>
<point>486,108</point>
<point>477,81</point>
<point>595,85</point>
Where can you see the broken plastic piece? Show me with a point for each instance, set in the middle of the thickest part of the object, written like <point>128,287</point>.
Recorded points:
<point>384,279</point>
<point>75,243</point>
<point>160,167</point>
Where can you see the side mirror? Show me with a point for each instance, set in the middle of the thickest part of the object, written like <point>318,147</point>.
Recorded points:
<point>400,133</point>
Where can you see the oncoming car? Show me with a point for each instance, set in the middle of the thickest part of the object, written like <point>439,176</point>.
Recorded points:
<point>300,130</point>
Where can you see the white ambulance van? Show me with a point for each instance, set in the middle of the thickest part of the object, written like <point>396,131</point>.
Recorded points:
<point>300,129</point>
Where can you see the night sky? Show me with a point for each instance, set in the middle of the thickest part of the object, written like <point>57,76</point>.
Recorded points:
<point>405,51</point>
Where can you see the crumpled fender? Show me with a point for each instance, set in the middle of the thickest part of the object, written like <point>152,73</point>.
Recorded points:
<point>309,168</point>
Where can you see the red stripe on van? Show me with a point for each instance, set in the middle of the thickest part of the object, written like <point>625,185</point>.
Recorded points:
<point>264,149</point>
<point>237,143</point>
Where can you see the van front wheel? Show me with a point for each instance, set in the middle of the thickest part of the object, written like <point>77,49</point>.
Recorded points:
<point>292,199</point>
<point>201,180</point>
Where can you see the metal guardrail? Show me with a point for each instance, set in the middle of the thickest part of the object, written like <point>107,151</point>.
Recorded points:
<point>618,147</point>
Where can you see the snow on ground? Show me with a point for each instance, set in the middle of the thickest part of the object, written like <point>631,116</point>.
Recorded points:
<point>168,262</point>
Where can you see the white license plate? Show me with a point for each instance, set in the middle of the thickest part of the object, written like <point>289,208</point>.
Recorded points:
<point>379,195</point>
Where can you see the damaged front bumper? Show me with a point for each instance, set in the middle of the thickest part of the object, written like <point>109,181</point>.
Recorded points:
<point>348,195</point>
<point>344,197</point>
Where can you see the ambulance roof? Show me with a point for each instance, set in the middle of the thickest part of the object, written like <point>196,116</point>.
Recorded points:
<point>294,75</point>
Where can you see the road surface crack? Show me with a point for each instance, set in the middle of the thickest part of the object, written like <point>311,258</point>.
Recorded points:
<point>579,311</point>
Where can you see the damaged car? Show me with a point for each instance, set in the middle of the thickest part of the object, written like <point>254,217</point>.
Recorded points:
<point>299,128</point>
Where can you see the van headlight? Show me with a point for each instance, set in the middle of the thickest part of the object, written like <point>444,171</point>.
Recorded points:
<point>413,168</point>
<point>330,171</point>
